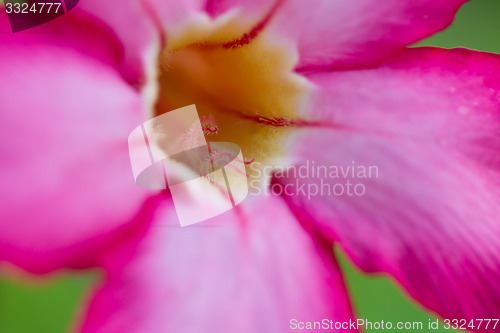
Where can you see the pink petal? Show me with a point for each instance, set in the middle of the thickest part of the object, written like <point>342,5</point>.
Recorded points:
<point>252,269</point>
<point>251,11</point>
<point>346,33</point>
<point>219,7</point>
<point>65,115</point>
<point>429,121</point>
<point>170,14</point>
<point>131,22</point>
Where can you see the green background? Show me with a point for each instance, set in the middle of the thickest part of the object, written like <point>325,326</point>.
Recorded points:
<point>52,304</point>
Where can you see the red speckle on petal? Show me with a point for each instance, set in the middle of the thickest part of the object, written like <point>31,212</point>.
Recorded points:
<point>249,36</point>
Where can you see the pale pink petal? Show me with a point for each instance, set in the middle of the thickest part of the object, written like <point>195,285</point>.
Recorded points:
<point>252,269</point>
<point>172,14</point>
<point>346,33</point>
<point>429,121</point>
<point>256,11</point>
<point>258,7</point>
<point>65,115</point>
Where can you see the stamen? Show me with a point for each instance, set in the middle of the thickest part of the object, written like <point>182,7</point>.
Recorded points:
<point>208,126</point>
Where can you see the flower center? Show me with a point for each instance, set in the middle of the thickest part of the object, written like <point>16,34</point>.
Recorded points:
<point>244,87</point>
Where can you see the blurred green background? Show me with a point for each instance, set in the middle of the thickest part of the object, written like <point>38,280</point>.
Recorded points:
<point>50,305</point>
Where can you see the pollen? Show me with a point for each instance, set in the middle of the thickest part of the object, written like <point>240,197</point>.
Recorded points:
<point>247,95</point>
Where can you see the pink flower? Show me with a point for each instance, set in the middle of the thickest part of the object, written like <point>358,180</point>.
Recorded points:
<point>290,82</point>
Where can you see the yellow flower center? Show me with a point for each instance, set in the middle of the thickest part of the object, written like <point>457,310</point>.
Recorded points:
<point>238,76</point>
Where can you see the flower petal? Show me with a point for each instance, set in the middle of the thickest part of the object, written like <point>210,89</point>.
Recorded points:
<point>429,121</point>
<point>172,15</point>
<point>252,269</point>
<point>65,116</point>
<point>132,23</point>
<point>346,33</point>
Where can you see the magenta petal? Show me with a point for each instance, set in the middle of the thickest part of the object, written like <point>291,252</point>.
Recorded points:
<point>252,269</point>
<point>132,23</point>
<point>347,33</point>
<point>169,15</point>
<point>65,115</point>
<point>251,10</point>
<point>429,120</point>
